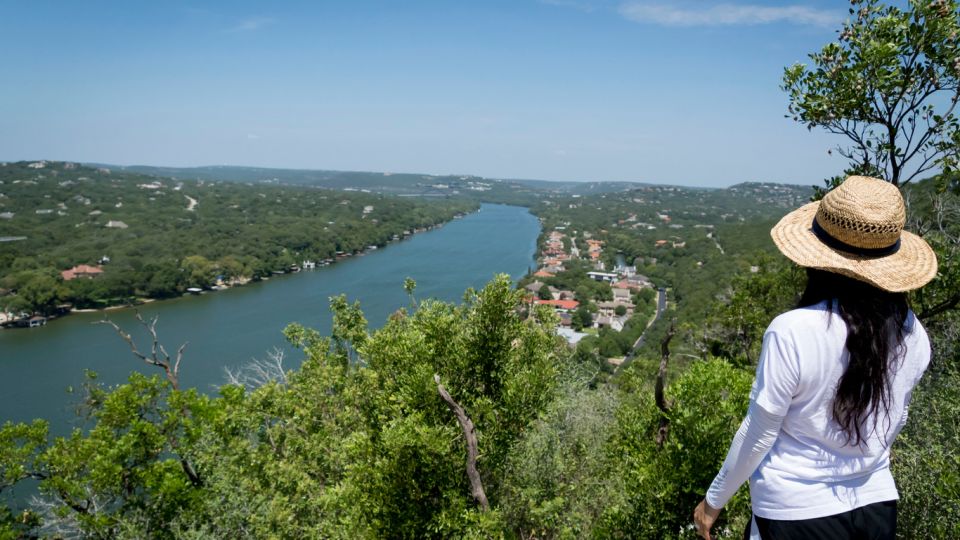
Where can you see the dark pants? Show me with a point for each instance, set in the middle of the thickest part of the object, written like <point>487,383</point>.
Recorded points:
<point>877,521</point>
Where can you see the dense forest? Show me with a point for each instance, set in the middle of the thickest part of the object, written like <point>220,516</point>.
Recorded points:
<point>154,237</point>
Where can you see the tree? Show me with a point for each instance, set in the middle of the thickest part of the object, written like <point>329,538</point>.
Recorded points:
<point>358,442</point>
<point>582,318</point>
<point>890,84</point>
<point>41,292</point>
<point>200,272</point>
<point>543,293</point>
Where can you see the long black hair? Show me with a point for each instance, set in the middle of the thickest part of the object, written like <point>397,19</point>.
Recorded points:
<point>875,322</point>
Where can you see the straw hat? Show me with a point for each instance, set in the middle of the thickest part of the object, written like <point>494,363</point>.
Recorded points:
<point>857,231</point>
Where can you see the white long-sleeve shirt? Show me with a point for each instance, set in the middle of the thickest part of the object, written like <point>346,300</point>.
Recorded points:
<point>799,462</point>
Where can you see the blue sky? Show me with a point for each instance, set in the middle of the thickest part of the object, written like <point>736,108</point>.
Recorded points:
<point>683,92</point>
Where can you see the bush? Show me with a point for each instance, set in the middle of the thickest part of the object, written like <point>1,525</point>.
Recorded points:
<point>665,483</point>
<point>926,459</point>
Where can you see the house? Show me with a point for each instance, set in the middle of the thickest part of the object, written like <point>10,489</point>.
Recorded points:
<point>613,323</point>
<point>639,281</point>
<point>559,294</point>
<point>573,337</point>
<point>534,287</point>
<point>559,305</point>
<point>621,295</point>
<point>601,276</point>
<point>610,308</point>
<point>81,271</point>
<point>543,274</point>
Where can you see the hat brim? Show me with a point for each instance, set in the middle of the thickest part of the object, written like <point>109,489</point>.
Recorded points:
<point>911,267</point>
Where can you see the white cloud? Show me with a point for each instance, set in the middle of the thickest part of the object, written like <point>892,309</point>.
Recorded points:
<point>726,14</point>
<point>252,23</point>
<point>252,136</point>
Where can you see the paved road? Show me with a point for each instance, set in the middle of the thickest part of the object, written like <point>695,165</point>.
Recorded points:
<point>661,309</point>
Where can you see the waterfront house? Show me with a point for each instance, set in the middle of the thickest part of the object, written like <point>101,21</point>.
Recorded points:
<point>81,271</point>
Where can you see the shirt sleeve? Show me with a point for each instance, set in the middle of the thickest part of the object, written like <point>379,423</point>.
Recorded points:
<point>756,436</point>
<point>778,374</point>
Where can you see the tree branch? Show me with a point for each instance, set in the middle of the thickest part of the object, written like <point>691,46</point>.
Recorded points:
<point>161,360</point>
<point>469,433</point>
<point>658,388</point>
<point>942,307</point>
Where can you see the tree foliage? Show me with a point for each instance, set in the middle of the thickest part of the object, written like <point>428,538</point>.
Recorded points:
<point>357,442</point>
<point>890,85</point>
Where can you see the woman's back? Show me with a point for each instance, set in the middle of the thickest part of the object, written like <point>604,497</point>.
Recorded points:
<point>814,464</point>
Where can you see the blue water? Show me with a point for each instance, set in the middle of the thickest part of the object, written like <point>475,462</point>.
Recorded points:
<point>229,328</point>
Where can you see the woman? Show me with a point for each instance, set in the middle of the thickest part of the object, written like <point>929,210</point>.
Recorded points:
<point>834,376</point>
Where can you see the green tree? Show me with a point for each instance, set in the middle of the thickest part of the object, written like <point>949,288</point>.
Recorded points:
<point>41,292</point>
<point>582,318</point>
<point>544,293</point>
<point>358,442</point>
<point>664,482</point>
<point>199,271</point>
<point>889,84</point>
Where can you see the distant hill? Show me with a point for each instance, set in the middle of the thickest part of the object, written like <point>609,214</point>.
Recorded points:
<point>511,190</point>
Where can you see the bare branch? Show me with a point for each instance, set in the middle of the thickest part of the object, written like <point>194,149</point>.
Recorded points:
<point>658,388</point>
<point>158,355</point>
<point>259,371</point>
<point>469,433</point>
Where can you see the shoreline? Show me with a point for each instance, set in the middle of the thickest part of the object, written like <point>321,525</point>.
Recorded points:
<point>329,261</point>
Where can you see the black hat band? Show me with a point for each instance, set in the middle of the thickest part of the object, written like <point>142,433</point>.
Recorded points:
<point>830,241</point>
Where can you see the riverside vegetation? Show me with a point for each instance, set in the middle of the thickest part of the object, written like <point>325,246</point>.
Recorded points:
<point>368,437</point>
<point>158,236</point>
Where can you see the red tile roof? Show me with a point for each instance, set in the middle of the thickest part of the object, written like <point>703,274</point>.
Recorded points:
<point>562,304</point>
<point>81,270</point>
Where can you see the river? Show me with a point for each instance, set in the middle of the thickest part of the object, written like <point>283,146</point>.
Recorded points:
<point>39,366</point>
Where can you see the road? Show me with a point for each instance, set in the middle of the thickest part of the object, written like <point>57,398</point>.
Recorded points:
<point>661,309</point>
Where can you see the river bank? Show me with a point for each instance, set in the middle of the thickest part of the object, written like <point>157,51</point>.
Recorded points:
<point>42,373</point>
<point>36,320</point>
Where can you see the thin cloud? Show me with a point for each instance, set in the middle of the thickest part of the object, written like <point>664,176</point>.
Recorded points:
<point>726,14</point>
<point>252,24</point>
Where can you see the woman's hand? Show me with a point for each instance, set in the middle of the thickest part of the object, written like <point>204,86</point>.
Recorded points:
<point>703,517</point>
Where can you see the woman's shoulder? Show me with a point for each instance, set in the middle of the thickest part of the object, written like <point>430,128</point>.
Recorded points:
<point>813,317</point>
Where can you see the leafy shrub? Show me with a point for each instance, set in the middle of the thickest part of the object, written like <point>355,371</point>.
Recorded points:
<point>665,483</point>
